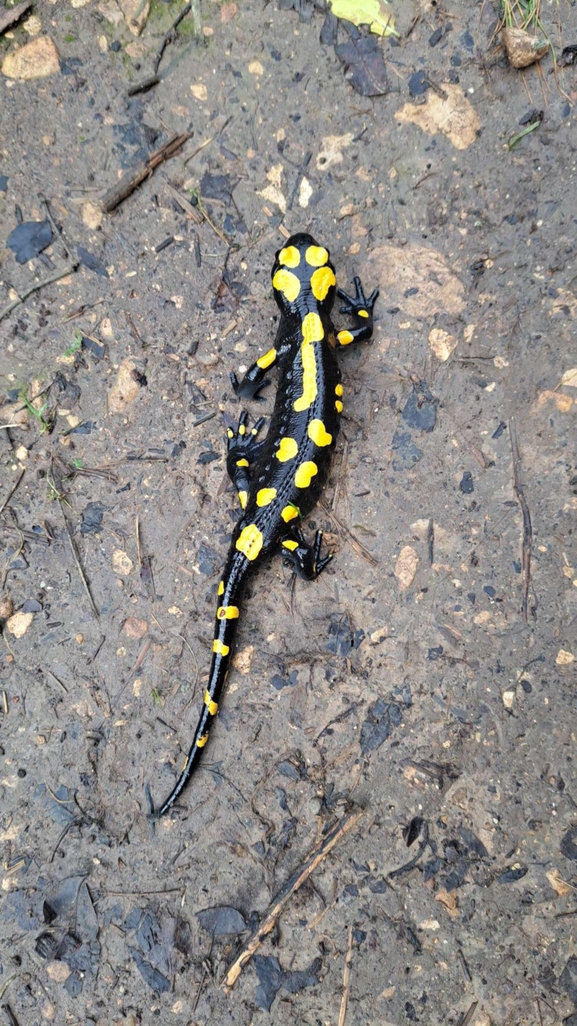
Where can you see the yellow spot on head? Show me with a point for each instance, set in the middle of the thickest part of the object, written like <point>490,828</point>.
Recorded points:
<point>265,495</point>
<point>242,463</point>
<point>242,498</point>
<point>219,648</point>
<point>305,474</point>
<point>202,741</point>
<point>289,513</point>
<point>321,281</point>
<point>362,313</point>
<point>267,360</point>
<point>339,389</point>
<point>345,337</point>
<point>290,545</point>
<point>221,588</point>
<point>287,450</point>
<point>249,542</point>
<point>289,256</point>
<point>318,433</point>
<point>210,705</point>
<point>316,256</point>
<point>227,613</point>
<point>338,406</point>
<point>286,282</point>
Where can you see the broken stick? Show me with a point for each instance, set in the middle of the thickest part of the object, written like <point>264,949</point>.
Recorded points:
<point>291,887</point>
<point>126,186</point>
<point>527,541</point>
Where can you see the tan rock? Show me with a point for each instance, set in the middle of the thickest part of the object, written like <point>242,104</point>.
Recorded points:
<point>522,49</point>
<point>35,59</point>
<point>19,624</point>
<point>125,389</point>
<point>136,13</point>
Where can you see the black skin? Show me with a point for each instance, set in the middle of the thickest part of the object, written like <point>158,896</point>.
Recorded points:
<point>269,522</point>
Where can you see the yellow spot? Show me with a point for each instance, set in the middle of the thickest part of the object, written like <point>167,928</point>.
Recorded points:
<point>242,429</point>
<point>321,281</point>
<point>230,433</point>
<point>338,406</point>
<point>265,495</point>
<point>249,541</point>
<point>242,463</point>
<point>219,648</point>
<point>227,613</point>
<point>318,433</point>
<point>312,328</point>
<point>289,256</point>
<point>362,313</point>
<point>339,389</point>
<point>345,337</point>
<point>316,256</point>
<point>289,513</point>
<point>221,588</point>
<point>210,705</point>
<point>287,449</point>
<point>286,282</point>
<point>267,360</point>
<point>242,498</point>
<point>291,545</point>
<point>202,741</point>
<point>313,331</point>
<point>305,474</point>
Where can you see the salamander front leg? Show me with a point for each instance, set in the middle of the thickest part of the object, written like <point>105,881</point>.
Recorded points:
<point>304,558</point>
<point>254,379</point>
<point>243,449</point>
<point>361,309</point>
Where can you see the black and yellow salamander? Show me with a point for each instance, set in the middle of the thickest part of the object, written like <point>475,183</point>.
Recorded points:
<point>279,479</point>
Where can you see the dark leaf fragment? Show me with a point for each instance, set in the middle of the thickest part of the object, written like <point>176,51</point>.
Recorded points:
<point>28,239</point>
<point>91,262</point>
<point>92,517</point>
<point>420,410</point>
<point>271,978</point>
<point>222,920</point>
<point>568,844</point>
<point>155,980</point>
<point>405,450</point>
<point>513,874</point>
<point>98,349</point>
<point>382,718</point>
<point>364,64</point>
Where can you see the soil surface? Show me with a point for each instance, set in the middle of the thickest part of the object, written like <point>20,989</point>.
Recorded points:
<point>428,677</point>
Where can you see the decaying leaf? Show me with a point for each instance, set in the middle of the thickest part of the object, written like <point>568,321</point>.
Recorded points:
<point>558,883</point>
<point>451,114</point>
<point>365,67</point>
<point>562,402</point>
<point>376,14</point>
<point>331,151</point>
<point>242,660</point>
<point>406,566</point>
<point>126,387</point>
<point>449,901</point>
<point>522,49</point>
<point>569,378</point>
<point>121,563</point>
<point>35,59</point>
<point>417,280</point>
<point>441,343</point>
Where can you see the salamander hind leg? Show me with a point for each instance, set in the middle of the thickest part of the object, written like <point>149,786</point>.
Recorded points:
<point>243,449</point>
<point>304,559</point>
<point>361,308</point>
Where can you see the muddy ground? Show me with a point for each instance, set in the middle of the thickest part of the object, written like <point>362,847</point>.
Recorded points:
<point>428,677</point>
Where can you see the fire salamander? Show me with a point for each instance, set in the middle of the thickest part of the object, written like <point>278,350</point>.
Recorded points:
<point>279,479</point>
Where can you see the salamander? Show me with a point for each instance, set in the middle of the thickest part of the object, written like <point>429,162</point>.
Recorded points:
<point>278,479</point>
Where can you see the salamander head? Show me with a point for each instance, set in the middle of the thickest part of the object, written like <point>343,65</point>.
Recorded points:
<point>303,271</point>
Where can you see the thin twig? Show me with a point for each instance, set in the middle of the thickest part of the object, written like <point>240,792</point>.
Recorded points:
<point>12,490</point>
<point>169,36</point>
<point>38,285</point>
<point>75,555</point>
<point>527,541</point>
<point>357,545</point>
<point>346,979</point>
<point>126,186</point>
<point>291,887</point>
